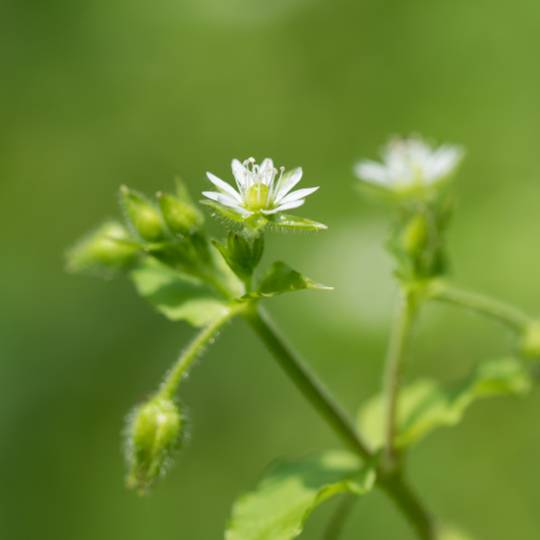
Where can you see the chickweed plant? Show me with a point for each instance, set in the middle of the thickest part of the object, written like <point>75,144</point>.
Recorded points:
<point>188,276</point>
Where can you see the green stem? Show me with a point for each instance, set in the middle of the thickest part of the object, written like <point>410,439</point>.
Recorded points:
<point>307,383</point>
<point>394,485</point>
<point>508,315</point>
<point>194,349</point>
<point>337,524</point>
<point>399,338</point>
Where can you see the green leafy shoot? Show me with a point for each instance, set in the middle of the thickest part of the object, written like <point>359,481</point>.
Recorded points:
<point>291,491</point>
<point>177,296</point>
<point>424,405</point>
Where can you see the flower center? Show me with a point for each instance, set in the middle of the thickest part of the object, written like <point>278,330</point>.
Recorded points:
<point>256,197</point>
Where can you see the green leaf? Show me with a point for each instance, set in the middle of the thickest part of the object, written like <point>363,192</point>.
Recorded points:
<point>291,491</point>
<point>285,222</point>
<point>281,278</point>
<point>424,405</point>
<point>176,295</point>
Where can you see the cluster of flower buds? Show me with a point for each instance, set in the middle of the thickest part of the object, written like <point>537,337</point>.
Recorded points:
<point>414,176</point>
<point>188,276</point>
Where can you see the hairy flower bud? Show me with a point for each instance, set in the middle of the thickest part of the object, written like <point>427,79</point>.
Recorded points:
<point>242,253</point>
<point>415,235</point>
<point>105,250</point>
<point>180,216</point>
<point>530,344</point>
<point>154,433</point>
<point>142,214</point>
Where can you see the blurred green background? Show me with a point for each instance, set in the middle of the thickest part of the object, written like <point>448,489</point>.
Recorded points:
<point>104,92</point>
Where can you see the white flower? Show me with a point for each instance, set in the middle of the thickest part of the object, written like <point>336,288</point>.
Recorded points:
<point>409,163</point>
<point>261,188</point>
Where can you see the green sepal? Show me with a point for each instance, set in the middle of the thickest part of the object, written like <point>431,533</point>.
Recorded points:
<point>425,405</point>
<point>291,490</point>
<point>142,214</point>
<point>281,278</point>
<point>227,216</point>
<point>530,341</point>
<point>104,251</point>
<point>182,191</point>
<point>176,295</point>
<point>287,223</point>
<point>154,432</point>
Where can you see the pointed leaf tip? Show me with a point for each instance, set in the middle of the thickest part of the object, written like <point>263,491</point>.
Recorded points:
<point>281,278</point>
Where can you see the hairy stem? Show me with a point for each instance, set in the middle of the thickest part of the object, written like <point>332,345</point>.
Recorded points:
<point>394,484</point>
<point>194,349</point>
<point>399,337</point>
<point>508,315</point>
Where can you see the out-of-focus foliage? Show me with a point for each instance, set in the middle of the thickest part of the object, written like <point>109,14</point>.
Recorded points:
<point>424,406</point>
<point>100,93</point>
<point>291,491</point>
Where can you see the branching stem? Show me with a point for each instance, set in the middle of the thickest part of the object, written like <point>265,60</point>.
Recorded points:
<point>393,484</point>
<point>508,315</point>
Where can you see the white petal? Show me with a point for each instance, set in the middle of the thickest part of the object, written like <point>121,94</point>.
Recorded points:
<point>224,187</point>
<point>287,206</point>
<point>287,182</point>
<point>298,194</point>
<point>227,201</point>
<point>239,172</point>
<point>267,171</point>
<point>443,161</point>
<point>372,171</point>
<point>221,198</point>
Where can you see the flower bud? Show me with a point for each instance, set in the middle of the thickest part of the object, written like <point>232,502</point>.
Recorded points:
<point>154,433</point>
<point>242,253</point>
<point>530,344</point>
<point>415,235</point>
<point>142,214</point>
<point>180,216</point>
<point>105,250</point>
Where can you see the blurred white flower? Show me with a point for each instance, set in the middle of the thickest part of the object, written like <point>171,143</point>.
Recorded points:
<point>409,163</point>
<point>261,188</point>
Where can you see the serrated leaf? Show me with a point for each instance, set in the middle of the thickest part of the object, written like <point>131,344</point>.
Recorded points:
<point>285,222</point>
<point>281,278</point>
<point>177,296</point>
<point>425,405</point>
<point>291,491</point>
